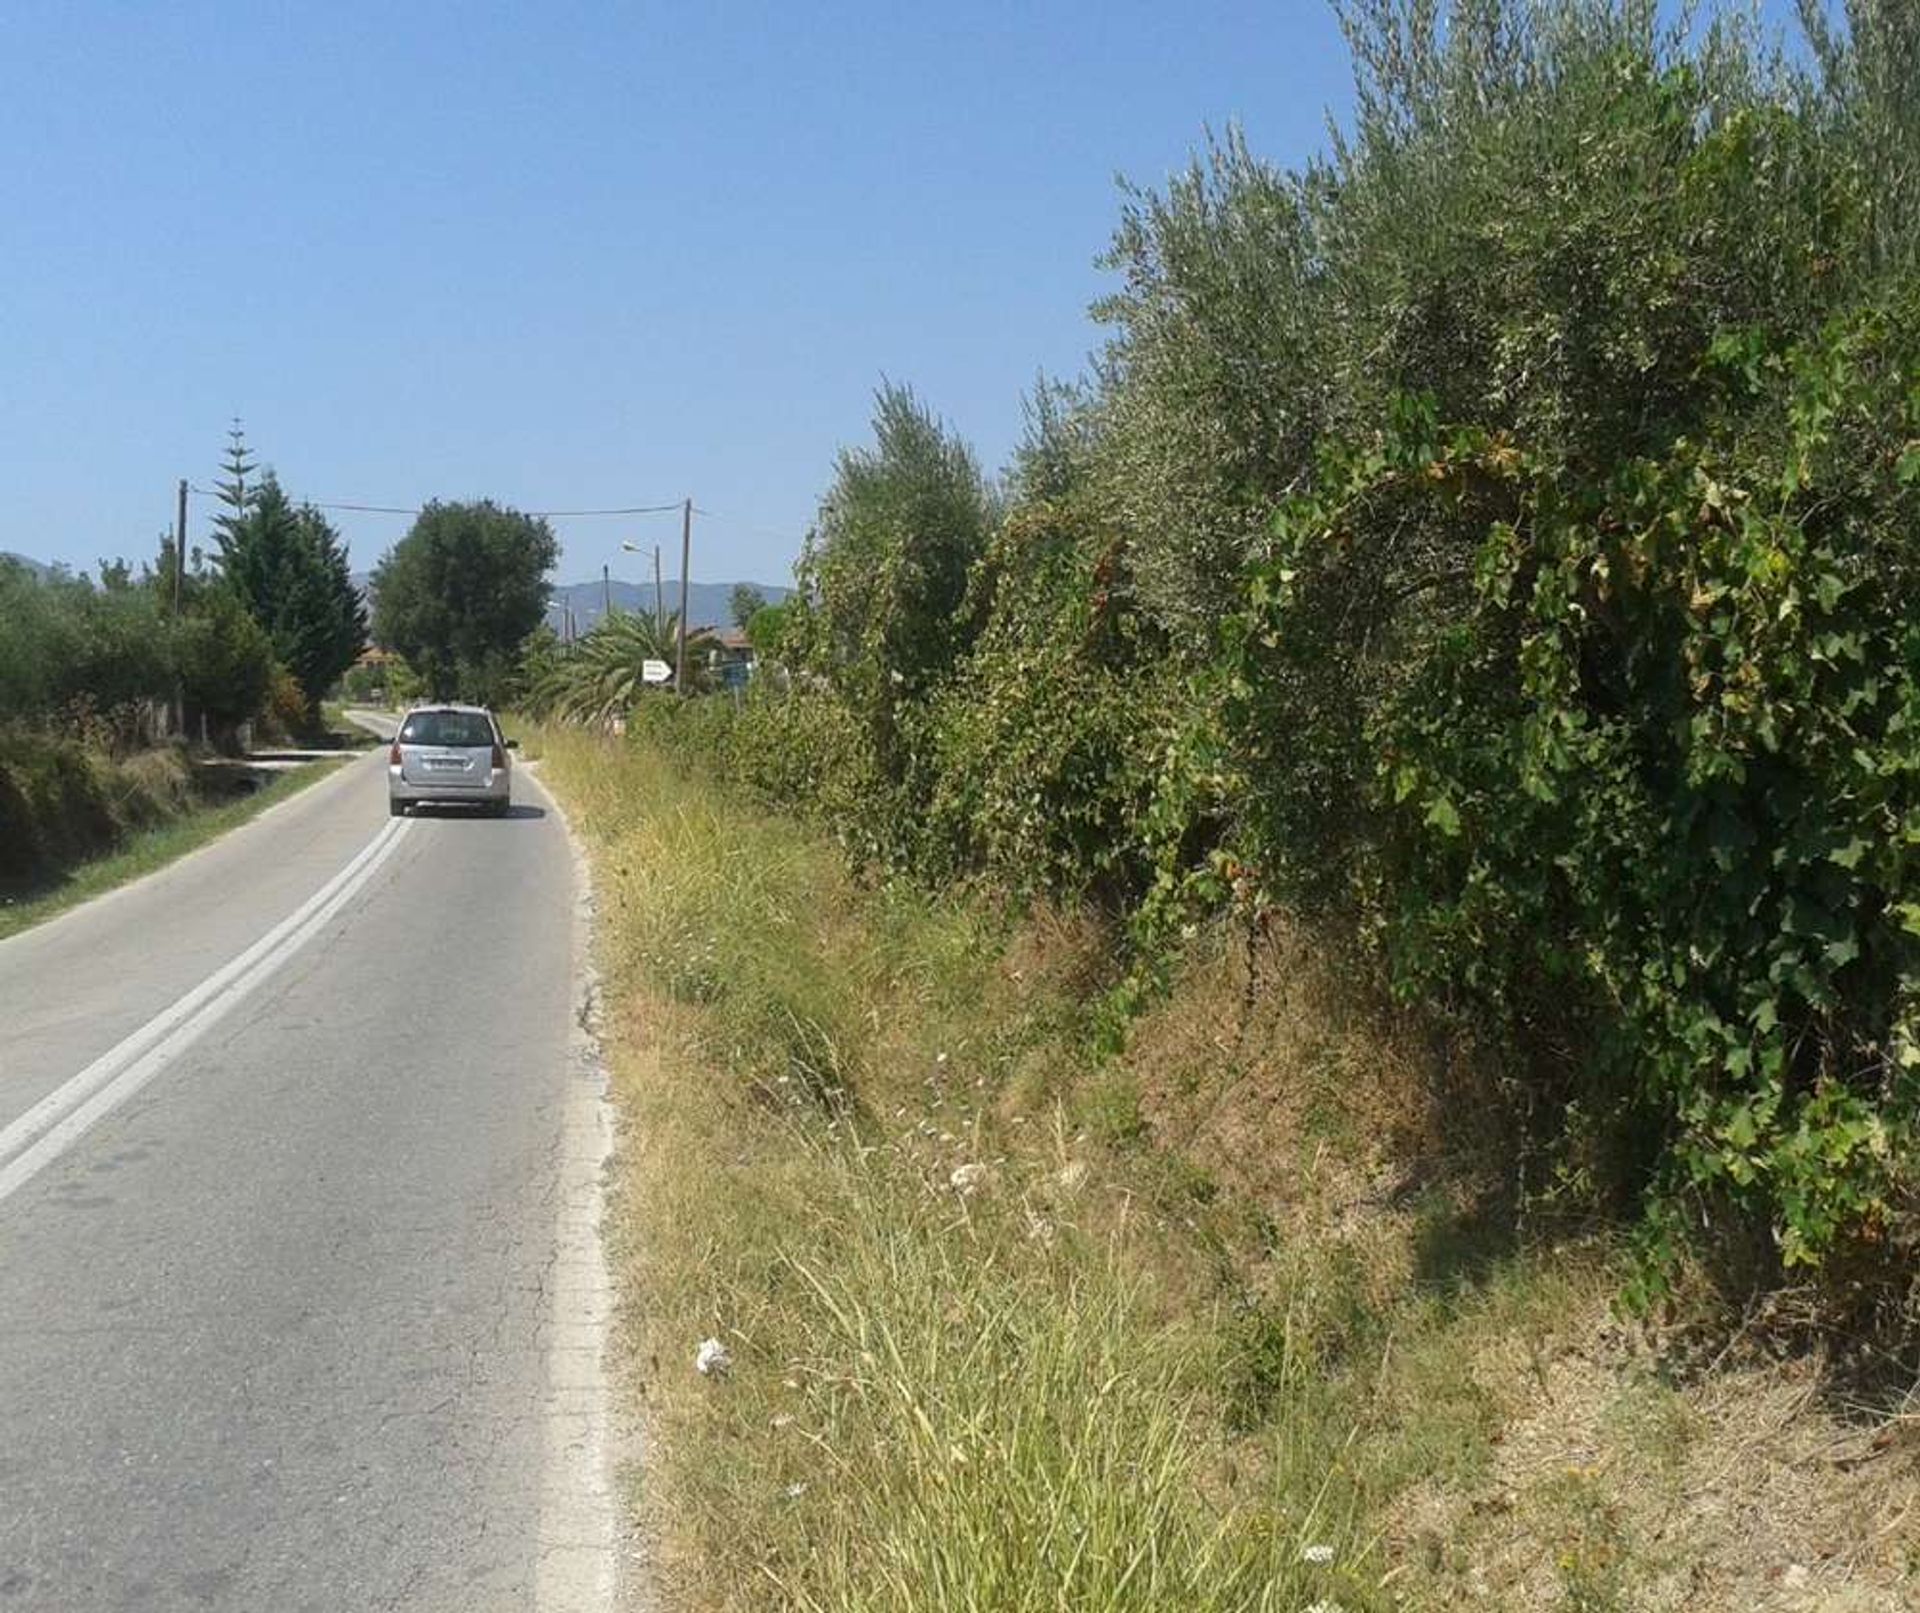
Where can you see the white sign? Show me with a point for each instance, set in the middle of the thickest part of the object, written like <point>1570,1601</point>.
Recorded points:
<point>652,671</point>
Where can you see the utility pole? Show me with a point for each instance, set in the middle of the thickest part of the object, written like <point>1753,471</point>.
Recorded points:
<point>606,592</point>
<point>179,546</point>
<point>179,579</point>
<point>659,599</point>
<point>686,564</point>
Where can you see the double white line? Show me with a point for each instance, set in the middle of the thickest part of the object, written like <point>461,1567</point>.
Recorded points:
<point>57,1121</point>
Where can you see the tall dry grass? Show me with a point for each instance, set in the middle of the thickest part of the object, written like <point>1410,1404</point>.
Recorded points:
<point>971,1396</point>
<point>1216,1324</point>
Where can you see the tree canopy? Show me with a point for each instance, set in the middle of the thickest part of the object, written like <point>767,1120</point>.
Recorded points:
<point>460,594</point>
<point>287,565</point>
<point>1497,535</point>
<point>743,602</point>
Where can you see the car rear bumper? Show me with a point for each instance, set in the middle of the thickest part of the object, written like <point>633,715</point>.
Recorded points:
<point>499,787</point>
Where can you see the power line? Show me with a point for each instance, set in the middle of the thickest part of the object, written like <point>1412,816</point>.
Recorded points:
<point>400,509</point>
<point>635,509</point>
<point>748,526</point>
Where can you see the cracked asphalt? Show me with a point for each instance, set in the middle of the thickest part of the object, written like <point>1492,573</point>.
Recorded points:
<point>272,1332</point>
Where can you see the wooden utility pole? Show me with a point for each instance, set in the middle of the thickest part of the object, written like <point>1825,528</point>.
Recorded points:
<point>179,578</point>
<point>179,546</point>
<point>606,592</point>
<point>659,599</point>
<point>686,563</point>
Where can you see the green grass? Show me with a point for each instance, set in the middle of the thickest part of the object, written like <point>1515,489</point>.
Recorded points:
<point>1186,1336</point>
<point>150,849</point>
<point>996,1399</point>
<point>339,726</point>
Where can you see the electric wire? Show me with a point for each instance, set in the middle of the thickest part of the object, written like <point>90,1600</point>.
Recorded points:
<point>747,526</point>
<point>401,509</point>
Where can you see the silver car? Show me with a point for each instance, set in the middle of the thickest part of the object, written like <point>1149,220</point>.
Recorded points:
<point>449,754</point>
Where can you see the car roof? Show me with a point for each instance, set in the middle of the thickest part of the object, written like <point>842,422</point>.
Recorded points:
<point>447,705</point>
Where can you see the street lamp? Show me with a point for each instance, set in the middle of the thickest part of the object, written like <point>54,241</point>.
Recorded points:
<point>659,603</point>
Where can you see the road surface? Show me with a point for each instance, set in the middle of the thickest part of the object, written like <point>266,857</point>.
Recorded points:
<point>299,1292</point>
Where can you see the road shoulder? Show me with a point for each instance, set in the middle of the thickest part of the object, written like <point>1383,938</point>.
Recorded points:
<point>587,1560</point>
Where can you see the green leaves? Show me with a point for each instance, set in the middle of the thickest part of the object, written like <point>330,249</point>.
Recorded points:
<point>287,565</point>
<point>1678,718</point>
<point>598,679</point>
<point>461,592</point>
<point>1499,535</point>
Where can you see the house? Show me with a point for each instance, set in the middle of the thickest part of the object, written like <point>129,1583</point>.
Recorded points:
<point>730,658</point>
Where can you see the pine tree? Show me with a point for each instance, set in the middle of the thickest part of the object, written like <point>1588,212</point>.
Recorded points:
<point>238,466</point>
<point>289,567</point>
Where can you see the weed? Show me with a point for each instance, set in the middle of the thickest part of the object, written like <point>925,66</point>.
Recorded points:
<point>1018,1327</point>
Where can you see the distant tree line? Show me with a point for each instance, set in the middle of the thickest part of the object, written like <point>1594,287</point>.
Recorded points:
<point>260,627</point>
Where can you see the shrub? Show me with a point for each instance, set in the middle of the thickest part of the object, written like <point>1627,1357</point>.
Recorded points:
<point>1049,740</point>
<point>1496,536</point>
<point>287,706</point>
<point>225,661</point>
<point>1646,759</point>
<point>62,799</point>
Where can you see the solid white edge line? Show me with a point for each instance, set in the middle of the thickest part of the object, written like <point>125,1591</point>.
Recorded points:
<point>577,1567</point>
<point>303,800</point>
<point>74,1091</point>
<point>48,1129</point>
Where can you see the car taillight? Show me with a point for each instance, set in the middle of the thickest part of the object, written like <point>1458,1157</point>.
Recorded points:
<point>499,755</point>
<point>393,754</point>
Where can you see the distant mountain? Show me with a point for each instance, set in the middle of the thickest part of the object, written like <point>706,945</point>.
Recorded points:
<point>33,566</point>
<point>709,604</point>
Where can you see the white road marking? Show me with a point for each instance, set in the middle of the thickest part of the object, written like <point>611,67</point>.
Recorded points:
<point>52,1125</point>
<point>576,1567</point>
<point>300,801</point>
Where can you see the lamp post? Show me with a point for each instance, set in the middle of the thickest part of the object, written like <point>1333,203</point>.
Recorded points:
<point>659,603</point>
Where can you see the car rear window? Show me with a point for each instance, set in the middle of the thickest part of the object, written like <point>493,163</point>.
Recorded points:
<point>447,728</point>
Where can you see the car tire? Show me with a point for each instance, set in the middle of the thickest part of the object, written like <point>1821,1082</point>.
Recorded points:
<point>396,809</point>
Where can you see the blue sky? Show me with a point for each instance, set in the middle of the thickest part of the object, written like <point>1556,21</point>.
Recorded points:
<point>572,256</point>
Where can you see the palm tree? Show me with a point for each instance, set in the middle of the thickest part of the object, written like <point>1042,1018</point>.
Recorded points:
<point>601,676</point>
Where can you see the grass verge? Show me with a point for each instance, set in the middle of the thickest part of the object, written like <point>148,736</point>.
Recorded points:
<point>1220,1323</point>
<point>148,850</point>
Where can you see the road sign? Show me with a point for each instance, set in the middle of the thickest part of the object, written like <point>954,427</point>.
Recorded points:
<point>652,671</point>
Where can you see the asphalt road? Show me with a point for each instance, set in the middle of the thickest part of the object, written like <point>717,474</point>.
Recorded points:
<point>277,1299</point>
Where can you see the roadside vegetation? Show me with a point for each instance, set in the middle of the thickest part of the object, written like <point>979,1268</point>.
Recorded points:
<point>1223,1320</point>
<point>1493,543</point>
<point>168,814</point>
<point>459,596</point>
<point>1410,780</point>
<point>112,688</point>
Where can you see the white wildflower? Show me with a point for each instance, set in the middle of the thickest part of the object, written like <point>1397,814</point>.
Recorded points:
<point>713,1359</point>
<point>1316,1554</point>
<point>967,1178</point>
